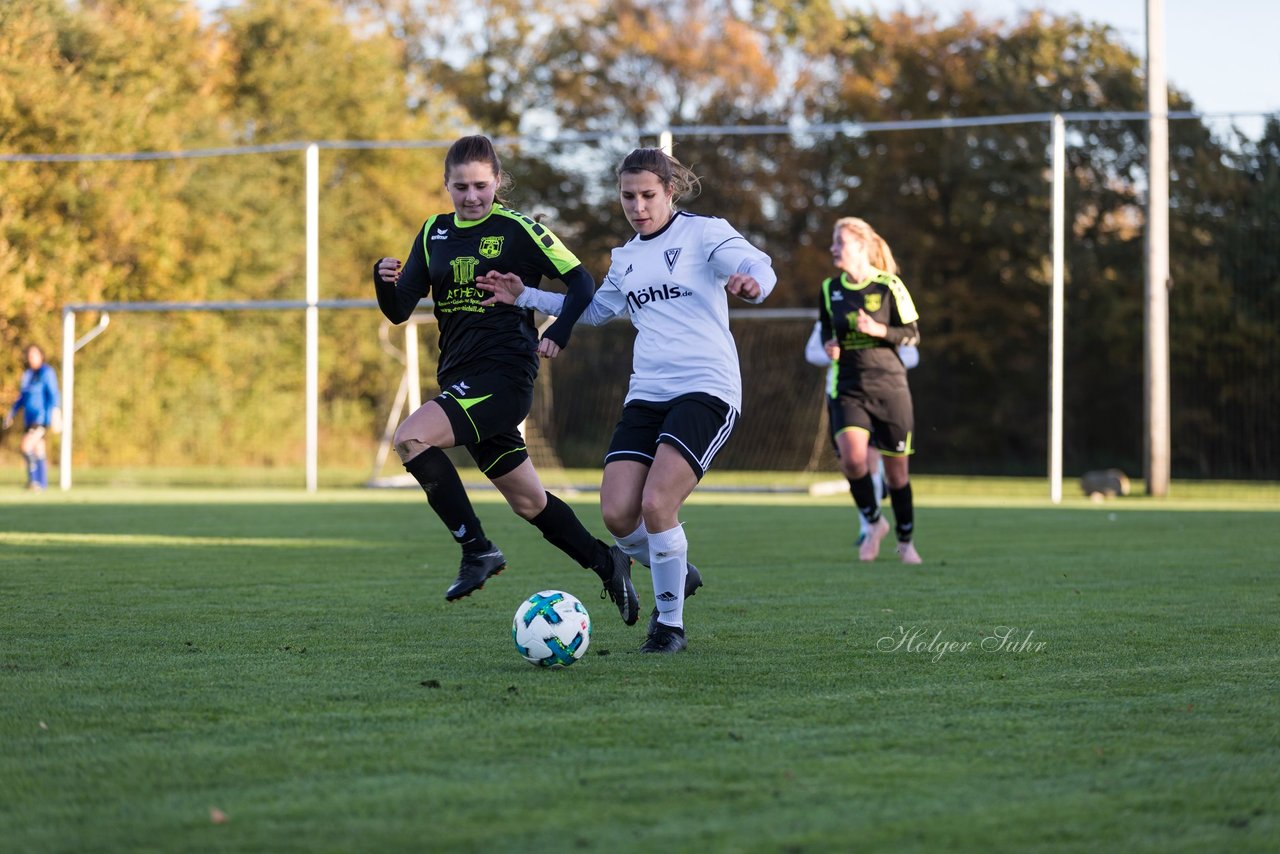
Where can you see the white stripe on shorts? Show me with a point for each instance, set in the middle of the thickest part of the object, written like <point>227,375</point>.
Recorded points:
<point>717,441</point>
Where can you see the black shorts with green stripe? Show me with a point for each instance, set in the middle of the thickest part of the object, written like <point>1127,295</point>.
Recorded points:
<point>486,410</point>
<point>888,416</point>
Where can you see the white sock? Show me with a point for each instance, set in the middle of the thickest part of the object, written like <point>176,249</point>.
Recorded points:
<point>636,544</point>
<point>667,553</point>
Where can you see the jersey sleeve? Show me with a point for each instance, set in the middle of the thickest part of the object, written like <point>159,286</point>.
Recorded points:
<point>729,252</point>
<point>824,312</point>
<point>814,351</point>
<point>53,400</point>
<point>579,288</point>
<point>902,327</point>
<point>607,303</point>
<point>398,299</point>
<point>551,257</point>
<point>903,306</point>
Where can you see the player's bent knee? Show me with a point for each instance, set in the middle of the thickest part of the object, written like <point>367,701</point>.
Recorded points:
<point>621,522</point>
<point>659,513</point>
<point>407,449</point>
<point>525,505</point>
<point>853,469</point>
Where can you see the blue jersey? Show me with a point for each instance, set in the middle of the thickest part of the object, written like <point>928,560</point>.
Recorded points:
<point>38,396</point>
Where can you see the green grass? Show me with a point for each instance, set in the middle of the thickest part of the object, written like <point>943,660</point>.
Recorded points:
<point>290,661</point>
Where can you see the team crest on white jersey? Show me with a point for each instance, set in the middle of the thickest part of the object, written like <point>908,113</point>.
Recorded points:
<point>671,255</point>
<point>490,247</point>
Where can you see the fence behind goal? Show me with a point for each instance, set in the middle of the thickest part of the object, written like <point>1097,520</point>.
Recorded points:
<point>981,392</point>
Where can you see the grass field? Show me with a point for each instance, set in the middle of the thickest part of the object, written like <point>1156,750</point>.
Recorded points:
<point>231,670</point>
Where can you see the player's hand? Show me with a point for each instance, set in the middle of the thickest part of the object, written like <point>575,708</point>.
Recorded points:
<point>505,287</point>
<point>389,270</point>
<point>833,349</point>
<point>548,349</point>
<point>868,325</point>
<point>743,286</point>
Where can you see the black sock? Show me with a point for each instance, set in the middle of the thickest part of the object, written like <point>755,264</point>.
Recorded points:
<point>447,496</point>
<point>864,495</point>
<point>561,528</point>
<point>903,512</point>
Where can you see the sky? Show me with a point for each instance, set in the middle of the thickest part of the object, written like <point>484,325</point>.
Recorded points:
<point>1225,54</point>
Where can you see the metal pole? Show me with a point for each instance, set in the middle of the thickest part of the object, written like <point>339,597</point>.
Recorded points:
<point>1157,441</point>
<point>313,313</point>
<point>1056,309</point>
<point>411,368</point>
<point>68,396</point>
<point>665,142</point>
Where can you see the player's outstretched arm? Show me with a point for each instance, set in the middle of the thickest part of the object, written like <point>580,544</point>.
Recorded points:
<point>504,288</point>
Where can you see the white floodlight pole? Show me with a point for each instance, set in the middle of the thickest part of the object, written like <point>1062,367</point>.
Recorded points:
<point>1156,439</point>
<point>313,312</point>
<point>68,395</point>
<point>666,143</point>
<point>1057,312</point>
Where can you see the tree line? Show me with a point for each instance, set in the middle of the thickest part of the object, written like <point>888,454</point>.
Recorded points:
<point>966,210</point>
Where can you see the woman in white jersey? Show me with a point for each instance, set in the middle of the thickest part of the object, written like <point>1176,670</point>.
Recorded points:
<point>673,279</point>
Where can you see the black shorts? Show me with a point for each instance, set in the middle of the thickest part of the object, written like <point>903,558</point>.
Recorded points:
<point>486,411</point>
<point>888,417</point>
<point>696,424</point>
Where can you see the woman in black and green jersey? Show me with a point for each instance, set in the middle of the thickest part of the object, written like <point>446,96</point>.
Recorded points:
<point>866,313</point>
<point>488,363</point>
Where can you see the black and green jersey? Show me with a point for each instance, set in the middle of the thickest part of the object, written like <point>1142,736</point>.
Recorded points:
<point>446,258</point>
<point>866,362</point>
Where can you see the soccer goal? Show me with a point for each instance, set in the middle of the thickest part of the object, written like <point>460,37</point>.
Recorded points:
<point>166,312</point>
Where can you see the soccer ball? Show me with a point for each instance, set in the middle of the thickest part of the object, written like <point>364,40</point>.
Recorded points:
<point>551,629</point>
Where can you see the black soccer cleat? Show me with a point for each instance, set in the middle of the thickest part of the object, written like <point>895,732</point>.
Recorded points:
<point>665,639</point>
<point>692,581</point>
<point>476,569</point>
<point>619,589</point>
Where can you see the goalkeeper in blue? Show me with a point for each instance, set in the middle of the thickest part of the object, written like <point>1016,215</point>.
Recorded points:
<point>673,279</point>
<point>39,403</point>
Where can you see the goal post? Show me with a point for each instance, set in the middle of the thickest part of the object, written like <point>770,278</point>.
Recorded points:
<point>70,346</point>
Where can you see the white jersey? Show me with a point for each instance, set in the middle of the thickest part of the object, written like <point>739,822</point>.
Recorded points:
<point>671,283</point>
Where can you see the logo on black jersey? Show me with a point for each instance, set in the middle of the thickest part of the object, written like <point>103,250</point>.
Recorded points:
<point>441,234</point>
<point>671,255</point>
<point>637,300</point>
<point>464,269</point>
<point>461,388</point>
<point>871,302</point>
<point>490,247</point>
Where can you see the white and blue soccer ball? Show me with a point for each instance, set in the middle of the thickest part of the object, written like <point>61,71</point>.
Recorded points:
<point>551,629</point>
